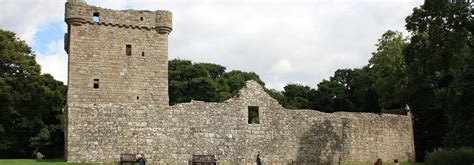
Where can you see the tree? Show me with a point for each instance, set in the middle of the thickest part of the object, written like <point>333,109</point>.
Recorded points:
<point>31,103</point>
<point>181,72</point>
<point>461,91</point>
<point>236,79</point>
<point>382,83</point>
<point>204,81</point>
<point>213,70</point>
<point>331,97</point>
<point>348,90</point>
<point>364,97</point>
<point>278,95</point>
<point>204,89</point>
<point>297,96</point>
<point>438,68</point>
<point>388,70</point>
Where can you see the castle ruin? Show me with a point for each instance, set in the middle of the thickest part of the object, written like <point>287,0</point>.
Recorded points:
<point>118,103</point>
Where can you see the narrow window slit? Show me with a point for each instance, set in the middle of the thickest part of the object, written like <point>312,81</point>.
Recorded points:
<point>128,50</point>
<point>96,83</point>
<point>95,17</point>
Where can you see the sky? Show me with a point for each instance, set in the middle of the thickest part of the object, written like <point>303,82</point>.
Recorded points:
<point>283,41</point>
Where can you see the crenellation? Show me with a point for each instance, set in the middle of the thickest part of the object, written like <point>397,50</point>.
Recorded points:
<point>164,22</point>
<point>81,13</point>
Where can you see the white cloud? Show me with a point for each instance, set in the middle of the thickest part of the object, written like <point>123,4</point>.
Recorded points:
<point>284,41</point>
<point>27,17</point>
<point>54,61</point>
<point>315,37</point>
<point>111,4</point>
<point>282,66</point>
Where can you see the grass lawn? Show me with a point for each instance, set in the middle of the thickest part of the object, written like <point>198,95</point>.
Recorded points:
<point>383,163</point>
<point>41,162</point>
<point>32,161</point>
<point>62,162</point>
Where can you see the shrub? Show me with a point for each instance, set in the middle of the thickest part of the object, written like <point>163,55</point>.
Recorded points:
<point>460,156</point>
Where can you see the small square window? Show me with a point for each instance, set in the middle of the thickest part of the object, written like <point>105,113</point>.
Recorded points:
<point>96,83</point>
<point>253,115</point>
<point>95,17</point>
<point>128,50</point>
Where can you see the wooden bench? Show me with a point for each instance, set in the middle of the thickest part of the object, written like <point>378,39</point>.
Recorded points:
<point>204,160</point>
<point>128,159</point>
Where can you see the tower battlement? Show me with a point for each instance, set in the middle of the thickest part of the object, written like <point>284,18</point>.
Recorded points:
<point>78,12</point>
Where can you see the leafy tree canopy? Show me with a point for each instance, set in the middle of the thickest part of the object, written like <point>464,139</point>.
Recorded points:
<point>439,60</point>
<point>204,81</point>
<point>31,103</point>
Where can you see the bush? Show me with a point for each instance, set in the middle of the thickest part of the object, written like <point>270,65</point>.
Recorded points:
<point>461,156</point>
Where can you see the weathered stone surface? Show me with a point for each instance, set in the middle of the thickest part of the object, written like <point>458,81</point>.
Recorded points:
<point>129,111</point>
<point>283,135</point>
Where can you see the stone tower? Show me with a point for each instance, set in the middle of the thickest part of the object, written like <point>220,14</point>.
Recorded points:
<point>117,80</point>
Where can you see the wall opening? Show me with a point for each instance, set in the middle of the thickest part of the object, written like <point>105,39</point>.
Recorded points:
<point>253,115</point>
<point>141,18</point>
<point>138,97</point>
<point>96,84</point>
<point>143,53</point>
<point>95,17</point>
<point>128,50</point>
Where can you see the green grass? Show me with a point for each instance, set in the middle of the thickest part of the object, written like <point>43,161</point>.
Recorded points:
<point>463,155</point>
<point>43,162</point>
<point>384,163</point>
<point>407,163</point>
<point>62,162</point>
<point>32,162</point>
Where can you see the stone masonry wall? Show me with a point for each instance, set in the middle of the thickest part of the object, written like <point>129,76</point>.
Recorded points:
<point>132,89</point>
<point>98,51</point>
<point>129,112</point>
<point>221,129</point>
<point>284,135</point>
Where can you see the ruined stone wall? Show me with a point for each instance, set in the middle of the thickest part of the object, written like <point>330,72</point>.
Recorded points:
<point>283,135</point>
<point>222,129</point>
<point>129,111</point>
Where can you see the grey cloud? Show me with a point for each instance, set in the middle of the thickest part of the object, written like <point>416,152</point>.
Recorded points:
<point>314,37</point>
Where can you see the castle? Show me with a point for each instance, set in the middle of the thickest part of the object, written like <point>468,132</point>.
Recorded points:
<point>118,103</point>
